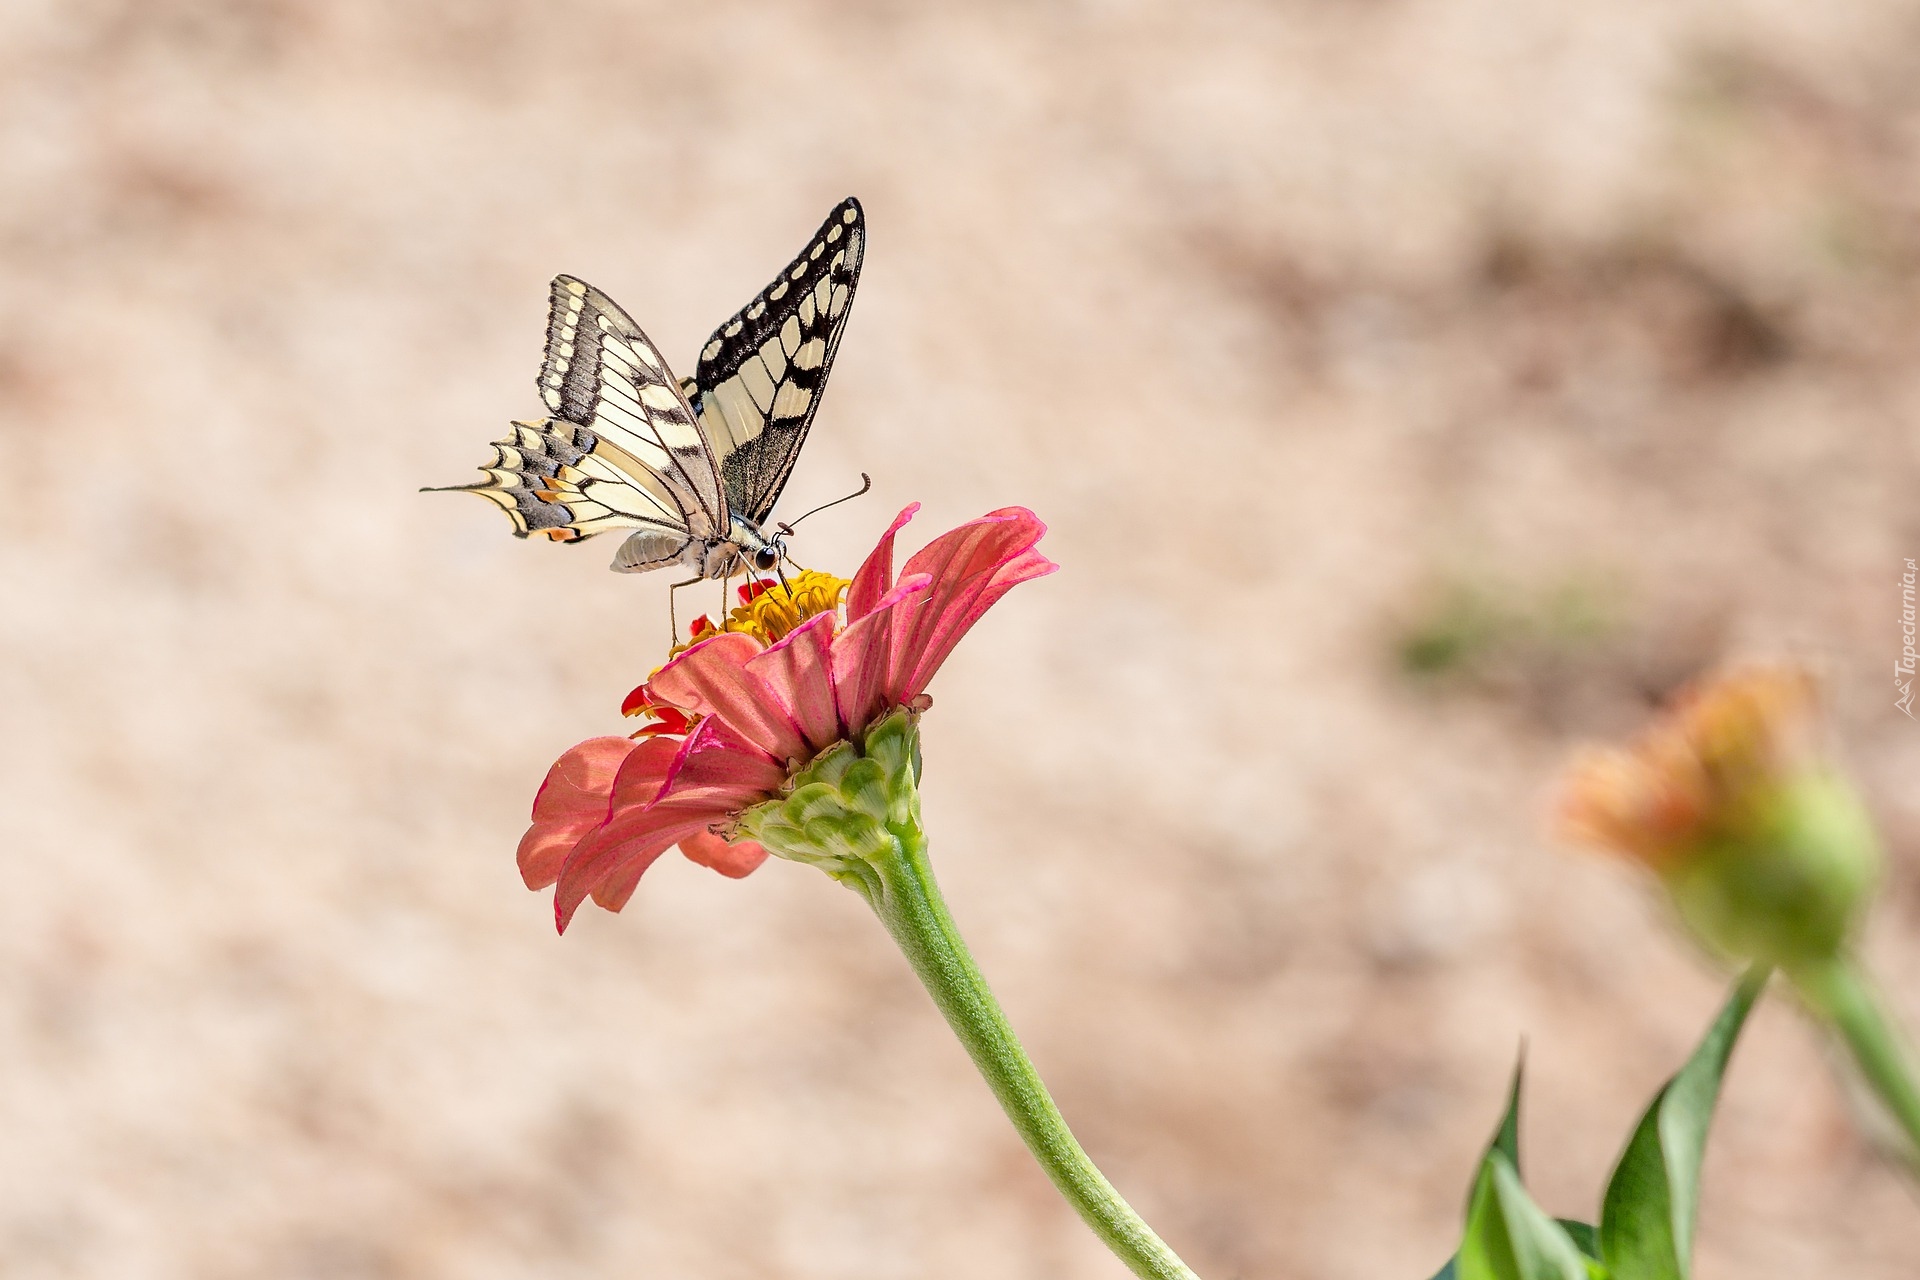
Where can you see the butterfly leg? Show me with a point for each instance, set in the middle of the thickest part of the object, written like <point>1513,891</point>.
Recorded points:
<point>673,621</point>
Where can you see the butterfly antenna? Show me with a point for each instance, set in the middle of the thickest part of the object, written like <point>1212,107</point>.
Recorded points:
<point>866,483</point>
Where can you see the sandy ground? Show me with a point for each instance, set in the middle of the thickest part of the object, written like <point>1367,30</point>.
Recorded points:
<point>1414,388</point>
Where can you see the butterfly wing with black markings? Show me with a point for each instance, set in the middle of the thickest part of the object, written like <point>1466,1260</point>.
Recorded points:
<point>761,374</point>
<point>622,448</point>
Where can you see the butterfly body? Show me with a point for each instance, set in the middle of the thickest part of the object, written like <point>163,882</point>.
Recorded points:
<point>690,469</point>
<point>708,557</point>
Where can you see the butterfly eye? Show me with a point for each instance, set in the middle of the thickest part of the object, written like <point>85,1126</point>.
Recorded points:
<point>765,558</point>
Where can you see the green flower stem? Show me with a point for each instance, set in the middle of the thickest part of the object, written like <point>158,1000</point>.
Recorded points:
<point>911,904</point>
<point>908,902</point>
<point>1839,992</point>
<point>854,812</point>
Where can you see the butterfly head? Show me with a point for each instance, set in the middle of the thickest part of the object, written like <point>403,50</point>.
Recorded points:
<point>761,551</point>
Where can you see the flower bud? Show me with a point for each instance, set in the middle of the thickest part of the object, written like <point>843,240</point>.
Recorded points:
<point>1762,844</point>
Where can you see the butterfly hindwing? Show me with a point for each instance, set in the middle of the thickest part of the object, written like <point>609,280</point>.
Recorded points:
<point>603,374</point>
<point>557,478</point>
<point>761,373</point>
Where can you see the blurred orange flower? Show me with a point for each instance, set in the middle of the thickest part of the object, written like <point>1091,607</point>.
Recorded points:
<point>1700,768</point>
<point>1763,846</point>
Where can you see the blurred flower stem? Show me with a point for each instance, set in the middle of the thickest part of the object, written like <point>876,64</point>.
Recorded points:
<point>855,813</point>
<point>1840,992</point>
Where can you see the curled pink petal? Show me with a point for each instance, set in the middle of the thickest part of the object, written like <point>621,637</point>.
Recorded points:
<point>607,866</point>
<point>665,792</point>
<point>952,618</point>
<point>574,799</point>
<point>735,860</point>
<point>972,567</point>
<point>875,578</point>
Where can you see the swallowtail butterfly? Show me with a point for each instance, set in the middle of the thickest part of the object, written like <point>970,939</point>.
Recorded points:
<point>692,467</point>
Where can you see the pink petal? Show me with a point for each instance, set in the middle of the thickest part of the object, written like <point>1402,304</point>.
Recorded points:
<point>666,792</point>
<point>716,765</point>
<point>608,867</point>
<point>863,653</point>
<point>732,860</point>
<point>581,778</point>
<point>642,776</point>
<point>959,614</point>
<point>712,678</point>
<point>798,671</point>
<point>972,567</point>
<point>574,799</point>
<point>612,893</point>
<point>875,578</point>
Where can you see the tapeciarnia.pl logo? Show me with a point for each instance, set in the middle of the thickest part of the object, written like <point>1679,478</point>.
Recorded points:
<point>1903,667</point>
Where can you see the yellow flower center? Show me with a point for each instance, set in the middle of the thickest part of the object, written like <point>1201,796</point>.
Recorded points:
<point>777,608</point>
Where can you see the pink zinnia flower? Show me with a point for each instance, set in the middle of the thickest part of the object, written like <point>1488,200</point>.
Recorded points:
<point>754,708</point>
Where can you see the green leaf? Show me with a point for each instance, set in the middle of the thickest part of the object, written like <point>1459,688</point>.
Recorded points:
<point>1505,1147</point>
<point>1509,1237</point>
<point>1506,1140</point>
<point>1506,1135</point>
<point>1585,1238</point>
<point>1646,1221</point>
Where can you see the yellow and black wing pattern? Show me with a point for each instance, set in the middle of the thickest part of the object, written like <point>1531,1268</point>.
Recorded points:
<point>620,449</point>
<point>760,375</point>
<point>624,446</point>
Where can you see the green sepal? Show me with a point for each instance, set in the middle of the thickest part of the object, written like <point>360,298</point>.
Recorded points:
<point>849,806</point>
<point>1788,881</point>
<point>1647,1217</point>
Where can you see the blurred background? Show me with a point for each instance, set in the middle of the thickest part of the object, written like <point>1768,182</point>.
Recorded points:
<point>1414,388</point>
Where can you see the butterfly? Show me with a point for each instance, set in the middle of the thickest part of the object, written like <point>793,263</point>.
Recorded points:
<point>692,467</point>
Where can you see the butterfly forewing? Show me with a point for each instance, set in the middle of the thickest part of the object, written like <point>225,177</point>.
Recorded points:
<point>761,373</point>
<point>602,373</point>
